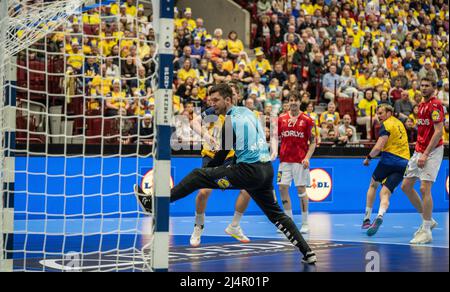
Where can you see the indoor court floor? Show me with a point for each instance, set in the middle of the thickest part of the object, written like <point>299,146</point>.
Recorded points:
<point>338,240</point>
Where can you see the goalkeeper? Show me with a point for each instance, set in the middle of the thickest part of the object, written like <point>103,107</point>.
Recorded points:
<point>253,172</point>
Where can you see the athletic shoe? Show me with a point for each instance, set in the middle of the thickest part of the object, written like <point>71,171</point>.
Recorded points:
<point>237,233</point>
<point>305,228</point>
<point>366,224</point>
<point>373,229</point>
<point>434,224</point>
<point>196,235</point>
<point>310,258</point>
<point>144,200</point>
<point>423,237</point>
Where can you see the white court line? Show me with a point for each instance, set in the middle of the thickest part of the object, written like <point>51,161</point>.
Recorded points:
<point>398,227</point>
<point>333,240</point>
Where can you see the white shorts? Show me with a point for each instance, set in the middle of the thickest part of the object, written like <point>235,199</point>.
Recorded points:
<point>431,169</point>
<point>293,171</point>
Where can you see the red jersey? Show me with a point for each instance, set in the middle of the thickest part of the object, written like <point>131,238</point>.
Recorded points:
<point>430,113</point>
<point>294,134</point>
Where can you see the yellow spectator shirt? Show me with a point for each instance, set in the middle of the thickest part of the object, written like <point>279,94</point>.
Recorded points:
<point>183,74</point>
<point>235,47</point>
<point>264,66</point>
<point>367,106</point>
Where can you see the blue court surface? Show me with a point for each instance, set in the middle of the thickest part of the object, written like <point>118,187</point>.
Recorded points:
<point>338,240</point>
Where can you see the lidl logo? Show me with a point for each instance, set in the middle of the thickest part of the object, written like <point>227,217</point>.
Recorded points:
<point>147,182</point>
<point>321,186</point>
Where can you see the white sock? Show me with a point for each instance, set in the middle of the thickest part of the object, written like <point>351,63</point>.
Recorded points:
<point>200,219</point>
<point>381,212</point>
<point>236,219</point>
<point>427,225</point>
<point>368,213</point>
<point>289,213</point>
<point>305,217</point>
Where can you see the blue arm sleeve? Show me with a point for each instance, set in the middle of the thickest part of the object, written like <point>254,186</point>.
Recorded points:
<point>383,131</point>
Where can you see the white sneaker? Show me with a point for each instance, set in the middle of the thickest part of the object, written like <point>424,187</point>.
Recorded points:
<point>237,233</point>
<point>304,229</point>
<point>434,224</point>
<point>310,258</point>
<point>196,236</point>
<point>423,237</point>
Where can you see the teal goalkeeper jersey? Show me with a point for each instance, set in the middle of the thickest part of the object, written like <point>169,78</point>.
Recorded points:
<point>250,143</point>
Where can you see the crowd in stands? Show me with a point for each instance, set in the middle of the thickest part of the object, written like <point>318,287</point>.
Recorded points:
<point>346,57</point>
<point>343,58</point>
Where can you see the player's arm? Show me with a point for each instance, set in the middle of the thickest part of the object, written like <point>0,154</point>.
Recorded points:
<point>379,146</point>
<point>312,147</point>
<point>222,154</point>
<point>200,130</point>
<point>274,140</point>
<point>437,136</point>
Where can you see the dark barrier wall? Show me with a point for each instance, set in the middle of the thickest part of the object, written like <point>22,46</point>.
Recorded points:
<point>338,185</point>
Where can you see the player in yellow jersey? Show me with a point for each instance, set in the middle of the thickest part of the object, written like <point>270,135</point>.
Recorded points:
<point>395,154</point>
<point>212,134</point>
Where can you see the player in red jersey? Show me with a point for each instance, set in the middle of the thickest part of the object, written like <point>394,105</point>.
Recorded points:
<point>296,132</point>
<point>427,159</point>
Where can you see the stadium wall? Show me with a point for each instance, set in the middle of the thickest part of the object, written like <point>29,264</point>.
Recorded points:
<point>340,187</point>
<point>224,14</point>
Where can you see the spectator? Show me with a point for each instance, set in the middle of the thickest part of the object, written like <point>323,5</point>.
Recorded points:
<point>403,107</point>
<point>234,45</point>
<point>409,62</point>
<point>428,71</point>
<point>257,87</point>
<point>263,33</point>
<point>316,72</point>
<point>144,129</point>
<point>264,7</point>
<point>287,52</point>
<point>385,99</point>
<point>218,41</point>
<point>200,31</point>
<point>367,112</point>
<point>274,100</point>
<point>261,66</point>
<point>415,114</point>
<point>116,102</point>
<point>278,73</point>
<point>186,71</point>
<point>227,63</point>
<point>331,113</point>
<point>443,93</point>
<point>305,101</point>
<point>197,49</point>
<point>187,54</point>
<point>347,132</point>
<point>411,130</point>
<point>220,74</point>
<point>205,72</point>
<point>331,84</point>
<point>301,63</point>
<point>396,91</point>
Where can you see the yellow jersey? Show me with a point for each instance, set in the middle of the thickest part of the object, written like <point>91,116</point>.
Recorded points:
<point>215,130</point>
<point>118,99</point>
<point>397,143</point>
<point>367,106</point>
<point>260,67</point>
<point>334,116</point>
